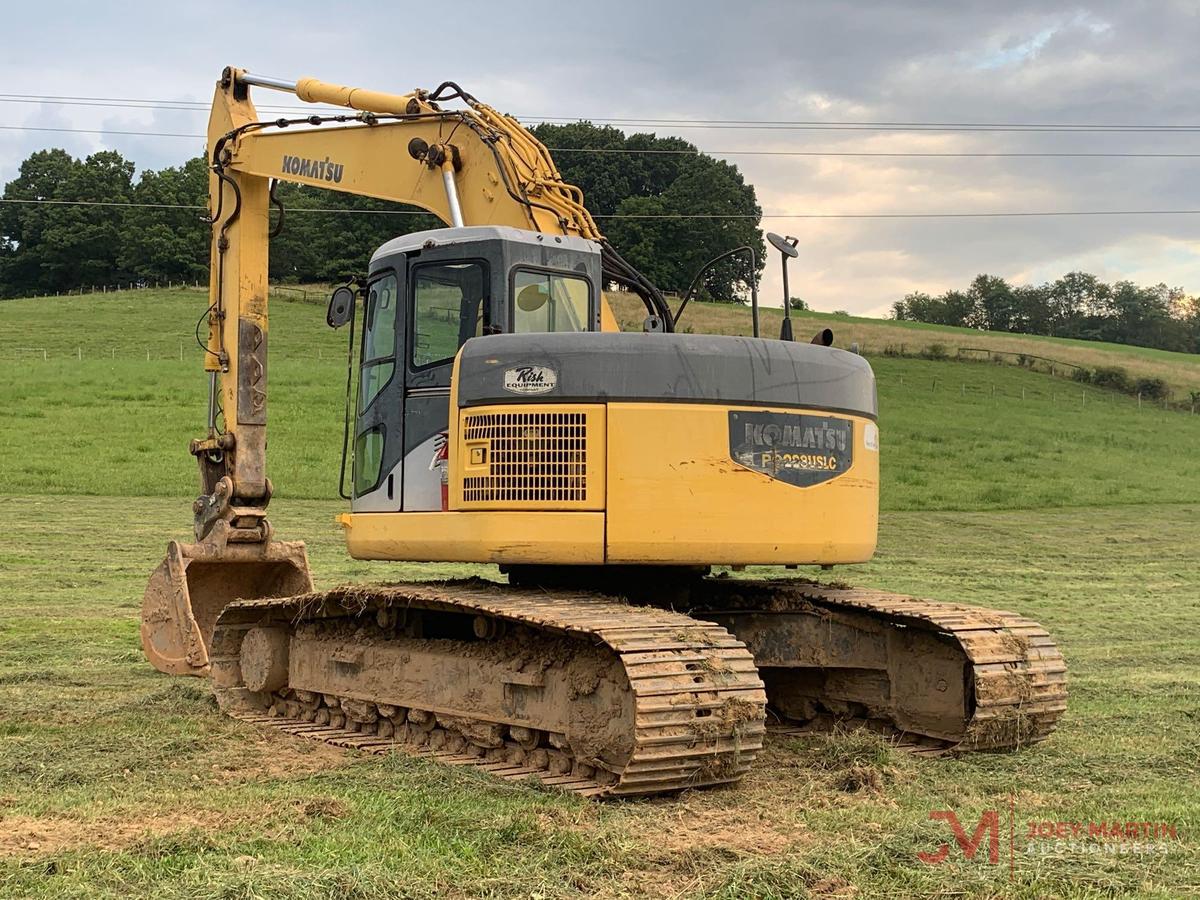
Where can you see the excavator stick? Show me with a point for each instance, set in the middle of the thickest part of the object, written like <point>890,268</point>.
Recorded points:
<point>195,583</point>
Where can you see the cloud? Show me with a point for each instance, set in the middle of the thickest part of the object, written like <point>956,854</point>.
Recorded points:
<point>968,61</point>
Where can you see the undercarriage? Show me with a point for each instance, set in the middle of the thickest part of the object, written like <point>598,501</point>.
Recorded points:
<point>596,694</point>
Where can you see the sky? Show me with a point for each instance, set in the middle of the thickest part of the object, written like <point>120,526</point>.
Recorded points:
<point>1101,63</point>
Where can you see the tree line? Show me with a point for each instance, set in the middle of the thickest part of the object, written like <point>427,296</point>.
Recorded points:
<point>153,227</point>
<point>1078,305</point>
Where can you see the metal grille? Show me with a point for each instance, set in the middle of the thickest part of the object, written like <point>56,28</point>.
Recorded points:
<point>532,457</point>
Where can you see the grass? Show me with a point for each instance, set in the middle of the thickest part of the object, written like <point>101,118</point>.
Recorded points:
<point>116,781</point>
<point>131,783</point>
<point>957,437</point>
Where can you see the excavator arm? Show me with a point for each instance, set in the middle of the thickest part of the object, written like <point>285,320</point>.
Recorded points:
<point>470,165</point>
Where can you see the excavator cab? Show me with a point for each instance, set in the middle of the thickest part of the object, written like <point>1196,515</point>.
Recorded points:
<point>427,294</point>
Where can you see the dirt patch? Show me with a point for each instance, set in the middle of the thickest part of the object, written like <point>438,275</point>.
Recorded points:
<point>275,755</point>
<point>860,778</point>
<point>26,836</point>
<point>32,836</point>
<point>745,835</point>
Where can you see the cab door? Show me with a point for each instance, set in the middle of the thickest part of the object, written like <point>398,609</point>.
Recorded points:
<point>377,469</point>
<point>449,303</point>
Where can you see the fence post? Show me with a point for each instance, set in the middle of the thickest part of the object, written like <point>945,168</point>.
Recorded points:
<point>1085,398</point>
<point>45,355</point>
<point>181,351</point>
<point>147,354</point>
<point>79,353</point>
<point>964,389</point>
<point>1022,394</point>
<point>934,388</point>
<point>1139,399</point>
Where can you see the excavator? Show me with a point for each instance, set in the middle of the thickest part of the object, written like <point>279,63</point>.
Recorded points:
<point>497,415</point>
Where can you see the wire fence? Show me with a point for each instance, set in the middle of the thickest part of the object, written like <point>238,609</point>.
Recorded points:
<point>287,292</point>
<point>1065,394</point>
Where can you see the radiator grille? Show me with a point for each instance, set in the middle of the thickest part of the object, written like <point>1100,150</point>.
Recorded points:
<point>532,457</point>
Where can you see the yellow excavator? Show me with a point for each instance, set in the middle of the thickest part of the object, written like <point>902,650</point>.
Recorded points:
<point>496,414</point>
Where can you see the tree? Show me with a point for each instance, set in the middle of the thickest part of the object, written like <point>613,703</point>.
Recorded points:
<point>1076,305</point>
<point>162,244</point>
<point>797,304</point>
<point>328,235</point>
<point>651,193</point>
<point>994,306</point>
<point>42,176</point>
<point>1073,299</point>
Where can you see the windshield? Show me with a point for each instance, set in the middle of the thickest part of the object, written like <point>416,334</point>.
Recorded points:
<point>549,301</point>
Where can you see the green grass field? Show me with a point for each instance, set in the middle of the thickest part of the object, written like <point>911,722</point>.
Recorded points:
<point>1181,371</point>
<point>116,781</point>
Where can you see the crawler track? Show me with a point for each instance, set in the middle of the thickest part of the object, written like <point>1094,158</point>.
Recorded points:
<point>1013,675</point>
<point>690,693</point>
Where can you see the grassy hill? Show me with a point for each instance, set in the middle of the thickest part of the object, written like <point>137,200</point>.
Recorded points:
<point>106,406</point>
<point>1181,371</point>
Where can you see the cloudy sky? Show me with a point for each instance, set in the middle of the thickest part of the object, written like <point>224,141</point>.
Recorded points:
<point>1103,63</point>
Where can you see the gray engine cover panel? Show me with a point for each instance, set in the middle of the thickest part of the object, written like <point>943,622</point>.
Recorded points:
<point>684,368</point>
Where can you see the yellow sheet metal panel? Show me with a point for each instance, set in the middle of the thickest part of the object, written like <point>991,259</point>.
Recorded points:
<point>676,493</point>
<point>567,538</point>
<point>608,321</point>
<point>529,456</point>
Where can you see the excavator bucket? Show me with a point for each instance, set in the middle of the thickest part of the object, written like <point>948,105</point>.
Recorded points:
<point>190,588</point>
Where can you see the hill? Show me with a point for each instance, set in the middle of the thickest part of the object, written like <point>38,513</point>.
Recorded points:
<point>1181,371</point>
<point>108,389</point>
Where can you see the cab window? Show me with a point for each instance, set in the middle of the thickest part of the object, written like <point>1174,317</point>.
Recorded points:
<point>549,301</point>
<point>378,340</point>
<point>448,308</point>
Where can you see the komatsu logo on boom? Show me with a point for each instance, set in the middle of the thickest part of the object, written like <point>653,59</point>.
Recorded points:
<point>320,169</point>
<point>799,449</point>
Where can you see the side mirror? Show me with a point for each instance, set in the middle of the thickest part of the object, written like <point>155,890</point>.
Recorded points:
<point>787,250</point>
<point>341,306</point>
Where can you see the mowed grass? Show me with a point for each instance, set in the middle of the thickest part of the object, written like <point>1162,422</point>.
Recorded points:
<point>116,781</point>
<point>1078,510</point>
<point>96,417</point>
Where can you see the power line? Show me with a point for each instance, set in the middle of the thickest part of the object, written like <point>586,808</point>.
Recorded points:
<point>931,215</point>
<point>100,131</point>
<point>802,124</point>
<point>699,151</point>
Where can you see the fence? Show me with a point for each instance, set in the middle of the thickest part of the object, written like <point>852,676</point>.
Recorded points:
<point>1063,395</point>
<point>285,292</point>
